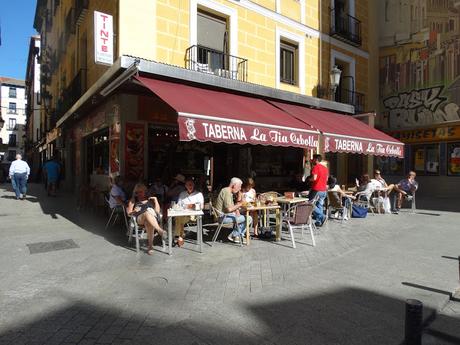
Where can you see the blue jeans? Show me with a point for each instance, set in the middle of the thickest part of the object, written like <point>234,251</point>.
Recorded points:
<point>318,214</point>
<point>240,220</point>
<point>19,183</point>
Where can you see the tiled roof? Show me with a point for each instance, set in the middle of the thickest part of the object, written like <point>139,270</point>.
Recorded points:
<point>12,81</point>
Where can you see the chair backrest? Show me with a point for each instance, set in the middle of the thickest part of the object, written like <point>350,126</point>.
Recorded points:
<point>314,200</point>
<point>303,212</point>
<point>334,199</point>
<point>216,213</point>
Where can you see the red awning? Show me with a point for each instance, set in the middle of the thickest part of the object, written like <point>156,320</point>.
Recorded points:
<point>218,116</point>
<point>344,133</point>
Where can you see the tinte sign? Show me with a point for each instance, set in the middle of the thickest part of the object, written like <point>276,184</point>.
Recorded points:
<point>103,38</point>
<point>351,145</point>
<point>242,133</point>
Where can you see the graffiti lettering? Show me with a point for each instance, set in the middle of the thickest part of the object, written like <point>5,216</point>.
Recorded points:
<point>420,107</point>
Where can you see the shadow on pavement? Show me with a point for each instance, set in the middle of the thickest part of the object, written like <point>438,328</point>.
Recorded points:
<point>64,205</point>
<point>346,316</point>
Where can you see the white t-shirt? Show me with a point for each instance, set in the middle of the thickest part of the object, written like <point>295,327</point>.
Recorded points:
<point>250,195</point>
<point>114,192</point>
<point>336,188</point>
<point>186,199</point>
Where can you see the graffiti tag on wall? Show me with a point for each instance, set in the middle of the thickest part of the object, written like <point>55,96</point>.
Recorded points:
<point>420,107</point>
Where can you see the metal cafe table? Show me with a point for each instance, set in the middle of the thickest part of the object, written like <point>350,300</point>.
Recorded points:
<point>185,213</point>
<point>265,209</point>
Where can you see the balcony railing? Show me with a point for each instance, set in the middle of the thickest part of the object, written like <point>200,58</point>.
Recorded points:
<point>81,7</point>
<point>71,94</point>
<point>345,27</point>
<point>343,95</point>
<point>210,61</point>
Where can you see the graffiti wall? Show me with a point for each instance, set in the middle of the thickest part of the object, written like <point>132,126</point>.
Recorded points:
<point>420,64</point>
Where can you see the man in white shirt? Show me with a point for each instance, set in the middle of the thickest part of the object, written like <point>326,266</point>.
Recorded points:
<point>187,199</point>
<point>19,174</point>
<point>117,194</point>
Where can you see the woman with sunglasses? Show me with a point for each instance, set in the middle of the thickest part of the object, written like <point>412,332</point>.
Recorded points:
<point>147,213</point>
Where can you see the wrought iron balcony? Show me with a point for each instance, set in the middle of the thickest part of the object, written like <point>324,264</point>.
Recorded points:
<point>71,94</point>
<point>345,27</point>
<point>81,7</point>
<point>343,95</point>
<point>210,61</point>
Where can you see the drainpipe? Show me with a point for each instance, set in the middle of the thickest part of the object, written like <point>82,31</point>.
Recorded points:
<point>320,43</point>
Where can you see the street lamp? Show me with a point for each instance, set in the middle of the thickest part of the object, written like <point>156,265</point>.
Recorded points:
<point>335,79</point>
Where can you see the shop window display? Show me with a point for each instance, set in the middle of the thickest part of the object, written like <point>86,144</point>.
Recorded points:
<point>426,159</point>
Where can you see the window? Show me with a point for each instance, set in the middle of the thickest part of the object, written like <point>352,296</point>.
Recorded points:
<point>212,40</point>
<point>12,93</point>
<point>288,62</point>
<point>12,108</point>
<point>11,124</point>
<point>426,159</point>
<point>12,140</point>
<point>11,155</point>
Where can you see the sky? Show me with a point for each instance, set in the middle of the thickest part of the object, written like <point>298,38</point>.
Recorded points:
<point>16,21</point>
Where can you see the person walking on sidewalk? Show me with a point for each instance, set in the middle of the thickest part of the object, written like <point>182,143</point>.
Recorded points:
<point>52,170</point>
<point>19,174</point>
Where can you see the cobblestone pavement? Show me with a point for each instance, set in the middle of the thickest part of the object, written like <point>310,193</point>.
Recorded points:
<point>349,289</point>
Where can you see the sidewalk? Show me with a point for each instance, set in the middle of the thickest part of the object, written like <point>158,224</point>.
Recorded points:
<point>349,289</point>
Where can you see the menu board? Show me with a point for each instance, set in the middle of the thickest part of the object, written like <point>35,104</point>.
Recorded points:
<point>134,151</point>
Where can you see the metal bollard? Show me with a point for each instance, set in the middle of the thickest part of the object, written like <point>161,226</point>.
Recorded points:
<point>459,268</point>
<point>413,327</point>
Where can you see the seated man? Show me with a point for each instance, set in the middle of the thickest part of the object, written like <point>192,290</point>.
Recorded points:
<point>405,188</point>
<point>187,199</point>
<point>117,194</point>
<point>225,204</point>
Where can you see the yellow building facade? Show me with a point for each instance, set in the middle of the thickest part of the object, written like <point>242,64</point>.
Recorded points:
<point>288,46</point>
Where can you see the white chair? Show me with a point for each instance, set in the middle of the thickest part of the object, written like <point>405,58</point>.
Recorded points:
<point>138,232</point>
<point>364,199</point>
<point>301,219</point>
<point>115,213</point>
<point>220,216</point>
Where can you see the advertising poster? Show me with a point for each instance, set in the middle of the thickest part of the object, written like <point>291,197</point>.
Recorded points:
<point>114,156</point>
<point>453,159</point>
<point>134,151</point>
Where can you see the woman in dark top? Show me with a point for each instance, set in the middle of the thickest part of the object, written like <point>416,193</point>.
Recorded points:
<point>147,213</point>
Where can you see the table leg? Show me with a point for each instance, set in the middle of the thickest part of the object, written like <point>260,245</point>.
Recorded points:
<point>247,229</point>
<point>170,235</point>
<point>278,225</point>
<point>200,233</point>
<point>265,218</point>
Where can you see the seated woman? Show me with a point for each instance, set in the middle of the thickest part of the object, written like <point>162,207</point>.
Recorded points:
<point>187,199</point>
<point>147,213</point>
<point>334,187</point>
<point>249,196</point>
